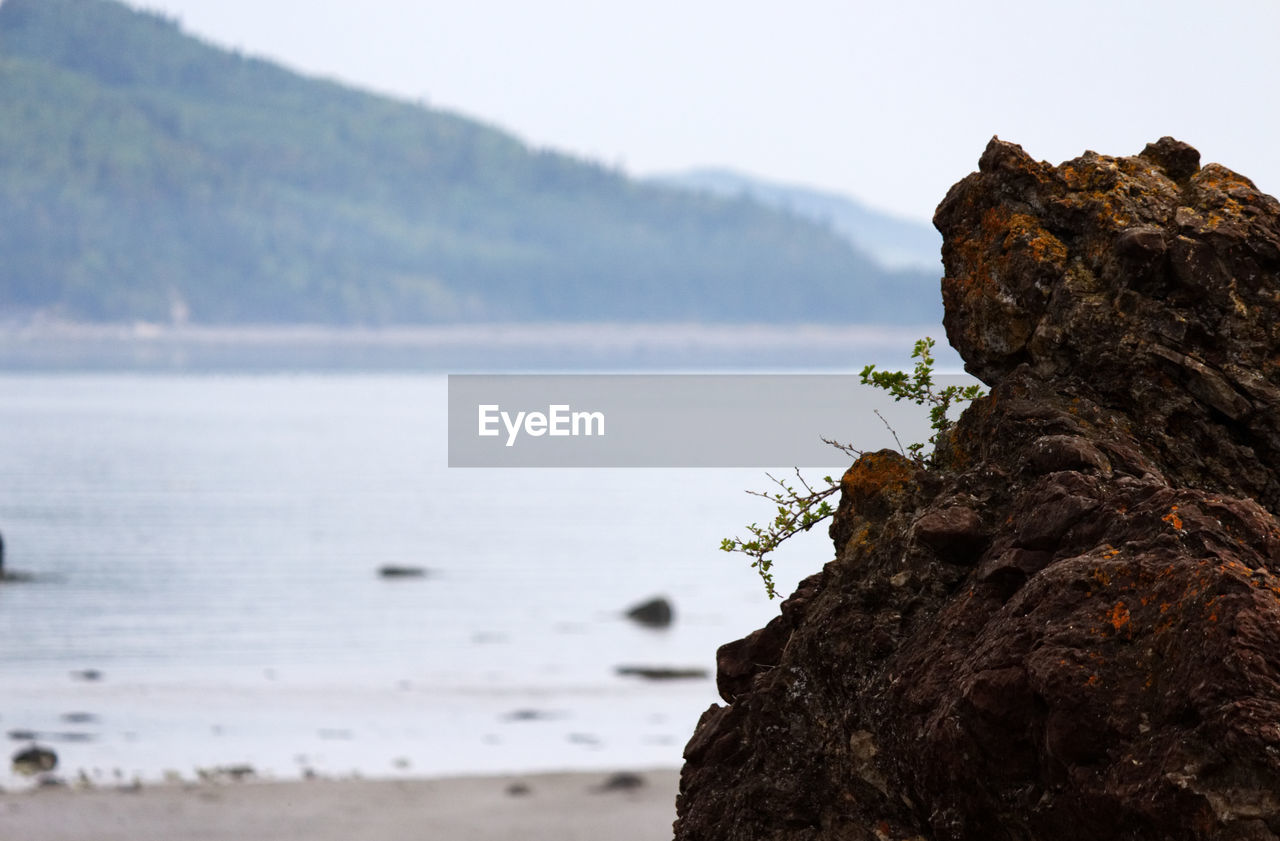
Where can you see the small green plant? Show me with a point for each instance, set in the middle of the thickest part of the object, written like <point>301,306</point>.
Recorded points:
<point>918,387</point>
<point>801,506</point>
<point>797,512</point>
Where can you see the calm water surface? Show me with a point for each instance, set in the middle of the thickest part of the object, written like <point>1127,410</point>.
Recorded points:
<point>209,545</point>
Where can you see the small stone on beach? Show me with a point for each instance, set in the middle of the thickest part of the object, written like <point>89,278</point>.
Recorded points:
<point>34,760</point>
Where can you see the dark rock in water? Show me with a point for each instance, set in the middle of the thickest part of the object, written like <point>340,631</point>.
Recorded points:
<point>622,781</point>
<point>402,572</point>
<point>11,576</point>
<point>655,613</point>
<point>70,736</point>
<point>90,675</point>
<point>1068,626</point>
<point>530,715</point>
<point>662,672</point>
<point>34,760</point>
<point>50,736</point>
<point>79,718</point>
<point>519,790</point>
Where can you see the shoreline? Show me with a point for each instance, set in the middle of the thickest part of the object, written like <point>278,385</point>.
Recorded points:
<point>627,806</point>
<point>141,346</point>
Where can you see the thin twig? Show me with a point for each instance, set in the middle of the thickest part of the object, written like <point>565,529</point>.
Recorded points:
<point>847,449</point>
<point>892,431</point>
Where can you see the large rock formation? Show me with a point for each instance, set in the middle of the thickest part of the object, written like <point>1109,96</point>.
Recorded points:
<point>1069,625</point>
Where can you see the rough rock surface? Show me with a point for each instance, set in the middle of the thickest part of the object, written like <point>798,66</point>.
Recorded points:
<point>1068,627</point>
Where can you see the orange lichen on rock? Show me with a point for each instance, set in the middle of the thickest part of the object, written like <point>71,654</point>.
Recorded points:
<point>875,474</point>
<point>868,489</point>
<point>1118,616</point>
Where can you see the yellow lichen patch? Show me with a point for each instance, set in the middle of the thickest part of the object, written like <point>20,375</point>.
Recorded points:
<point>1094,175</point>
<point>1027,236</point>
<point>958,448</point>
<point>974,252</point>
<point>1001,236</point>
<point>861,541</point>
<point>1114,214</point>
<point>1230,209</point>
<point>1215,176</point>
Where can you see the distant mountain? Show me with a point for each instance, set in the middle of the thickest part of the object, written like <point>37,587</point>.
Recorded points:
<point>145,174</point>
<point>891,241</point>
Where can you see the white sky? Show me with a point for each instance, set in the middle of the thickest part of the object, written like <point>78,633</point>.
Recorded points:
<point>890,102</point>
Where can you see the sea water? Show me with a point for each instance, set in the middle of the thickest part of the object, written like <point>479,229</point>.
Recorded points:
<point>204,554</point>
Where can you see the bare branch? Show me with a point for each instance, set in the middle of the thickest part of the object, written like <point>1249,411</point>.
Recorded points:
<point>892,431</point>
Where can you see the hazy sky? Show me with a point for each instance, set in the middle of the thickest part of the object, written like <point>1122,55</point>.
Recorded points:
<point>891,102</point>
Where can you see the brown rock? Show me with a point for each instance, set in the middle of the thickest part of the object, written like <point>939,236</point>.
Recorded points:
<point>955,533</point>
<point>1069,626</point>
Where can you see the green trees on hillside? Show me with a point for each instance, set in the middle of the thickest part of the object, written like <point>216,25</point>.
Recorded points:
<point>140,168</point>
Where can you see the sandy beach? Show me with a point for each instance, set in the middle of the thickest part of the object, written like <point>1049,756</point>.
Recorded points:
<point>564,807</point>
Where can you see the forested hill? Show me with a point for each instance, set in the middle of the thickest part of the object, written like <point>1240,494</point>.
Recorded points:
<point>145,174</point>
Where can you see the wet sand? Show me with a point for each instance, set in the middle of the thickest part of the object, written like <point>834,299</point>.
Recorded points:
<point>563,807</point>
